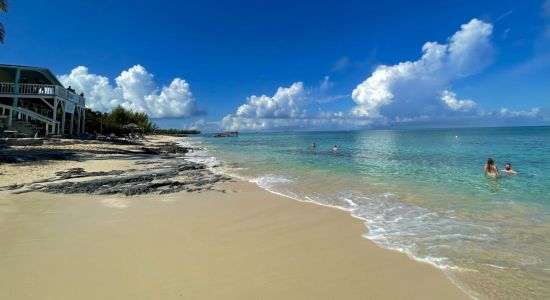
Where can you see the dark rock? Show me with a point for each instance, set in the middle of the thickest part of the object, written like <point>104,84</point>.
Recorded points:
<point>80,172</point>
<point>160,180</point>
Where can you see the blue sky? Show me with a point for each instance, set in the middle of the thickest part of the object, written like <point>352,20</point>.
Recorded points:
<point>306,65</point>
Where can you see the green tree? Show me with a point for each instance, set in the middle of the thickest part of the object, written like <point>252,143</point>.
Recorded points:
<point>3,8</point>
<point>122,121</point>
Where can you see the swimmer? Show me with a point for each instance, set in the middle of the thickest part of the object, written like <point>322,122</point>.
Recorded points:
<point>313,146</point>
<point>490,168</point>
<point>508,169</point>
<point>335,148</point>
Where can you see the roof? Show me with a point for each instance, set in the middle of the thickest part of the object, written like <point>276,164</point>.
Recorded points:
<point>44,71</point>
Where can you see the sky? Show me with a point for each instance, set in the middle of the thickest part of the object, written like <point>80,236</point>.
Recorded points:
<point>295,65</point>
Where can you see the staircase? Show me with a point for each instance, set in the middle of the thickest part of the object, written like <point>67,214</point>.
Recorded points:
<point>34,117</point>
<point>26,128</point>
<point>3,123</point>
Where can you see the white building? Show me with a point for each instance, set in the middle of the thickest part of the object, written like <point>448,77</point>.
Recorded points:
<point>34,95</point>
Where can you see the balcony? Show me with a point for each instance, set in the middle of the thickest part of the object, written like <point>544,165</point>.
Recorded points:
<point>40,91</point>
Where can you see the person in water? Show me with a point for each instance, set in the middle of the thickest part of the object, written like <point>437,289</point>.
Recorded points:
<point>508,169</point>
<point>490,168</point>
<point>335,148</point>
<point>313,146</point>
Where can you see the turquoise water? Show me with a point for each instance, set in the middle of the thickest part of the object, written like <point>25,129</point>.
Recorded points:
<point>421,192</point>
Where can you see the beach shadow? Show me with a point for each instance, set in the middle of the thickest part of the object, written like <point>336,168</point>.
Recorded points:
<point>9,155</point>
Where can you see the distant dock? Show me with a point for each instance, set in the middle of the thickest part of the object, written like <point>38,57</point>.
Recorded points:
<point>226,134</point>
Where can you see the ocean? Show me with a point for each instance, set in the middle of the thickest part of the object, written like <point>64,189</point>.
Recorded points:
<point>419,191</point>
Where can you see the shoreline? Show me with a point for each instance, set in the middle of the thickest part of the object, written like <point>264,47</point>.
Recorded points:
<point>249,180</point>
<point>258,243</point>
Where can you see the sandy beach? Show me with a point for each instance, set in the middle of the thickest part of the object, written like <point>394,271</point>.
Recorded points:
<point>226,239</point>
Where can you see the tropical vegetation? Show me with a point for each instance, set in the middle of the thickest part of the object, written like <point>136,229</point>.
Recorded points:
<point>172,131</point>
<point>4,9</point>
<point>121,121</point>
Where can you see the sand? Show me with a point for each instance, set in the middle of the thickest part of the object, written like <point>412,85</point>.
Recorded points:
<point>30,171</point>
<point>245,243</point>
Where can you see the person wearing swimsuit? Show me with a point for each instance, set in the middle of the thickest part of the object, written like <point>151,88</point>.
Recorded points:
<point>490,168</point>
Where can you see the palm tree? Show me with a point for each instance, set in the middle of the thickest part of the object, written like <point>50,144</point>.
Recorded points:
<point>3,8</point>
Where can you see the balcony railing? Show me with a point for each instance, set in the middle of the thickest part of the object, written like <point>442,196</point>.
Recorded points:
<point>6,88</point>
<point>46,90</point>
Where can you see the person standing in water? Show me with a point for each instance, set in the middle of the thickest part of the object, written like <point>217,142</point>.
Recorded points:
<point>490,168</point>
<point>508,169</point>
<point>335,148</point>
<point>313,146</point>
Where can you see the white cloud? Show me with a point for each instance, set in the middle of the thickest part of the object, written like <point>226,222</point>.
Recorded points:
<point>197,125</point>
<point>286,110</point>
<point>410,93</point>
<point>266,112</point>
<point>532,113</point>
<point>135,89</point>
<point>449,98</point>
<point>331,114</point>
<point>413,88</point>
<point>325,121</point>
<point>286,103</point>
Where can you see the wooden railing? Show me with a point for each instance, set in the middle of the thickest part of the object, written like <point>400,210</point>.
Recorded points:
<point>36,89</point>
<point>6,88</point>
<point>41,90</point>
<point>32,115</point>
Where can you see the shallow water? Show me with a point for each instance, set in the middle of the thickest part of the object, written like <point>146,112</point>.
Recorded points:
<point>421,192</point>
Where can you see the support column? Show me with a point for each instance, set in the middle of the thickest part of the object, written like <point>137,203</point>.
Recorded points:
<point>62,117</point>
<point>83,120</point>
<point>78,121</point>
<point>72,123</point>
<point>16,95</point>
<point>54,117</point>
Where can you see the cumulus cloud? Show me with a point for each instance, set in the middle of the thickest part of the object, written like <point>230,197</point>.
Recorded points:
<point>263,112</point>
<point>449,98</point>
<point>410,93</point>
<point>324,121</point>
<point>413,88</point>
<point>286,110</point>
<point>286,103</point>
<point>134,89</point>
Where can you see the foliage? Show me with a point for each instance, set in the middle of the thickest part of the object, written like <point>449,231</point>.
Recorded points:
<point>121,116</point>
<point>121,121</point>
<point>3,8</point>
<point>176,131</point>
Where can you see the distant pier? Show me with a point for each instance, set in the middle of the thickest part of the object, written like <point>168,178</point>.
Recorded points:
<point>226,134</point>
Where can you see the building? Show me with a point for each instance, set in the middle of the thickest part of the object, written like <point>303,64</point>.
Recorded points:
<point>34,96</point>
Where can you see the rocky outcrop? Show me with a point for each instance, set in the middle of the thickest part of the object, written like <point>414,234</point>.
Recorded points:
<point>161,177</point>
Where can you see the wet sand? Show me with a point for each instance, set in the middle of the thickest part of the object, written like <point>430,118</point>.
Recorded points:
<point>244,243</point>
